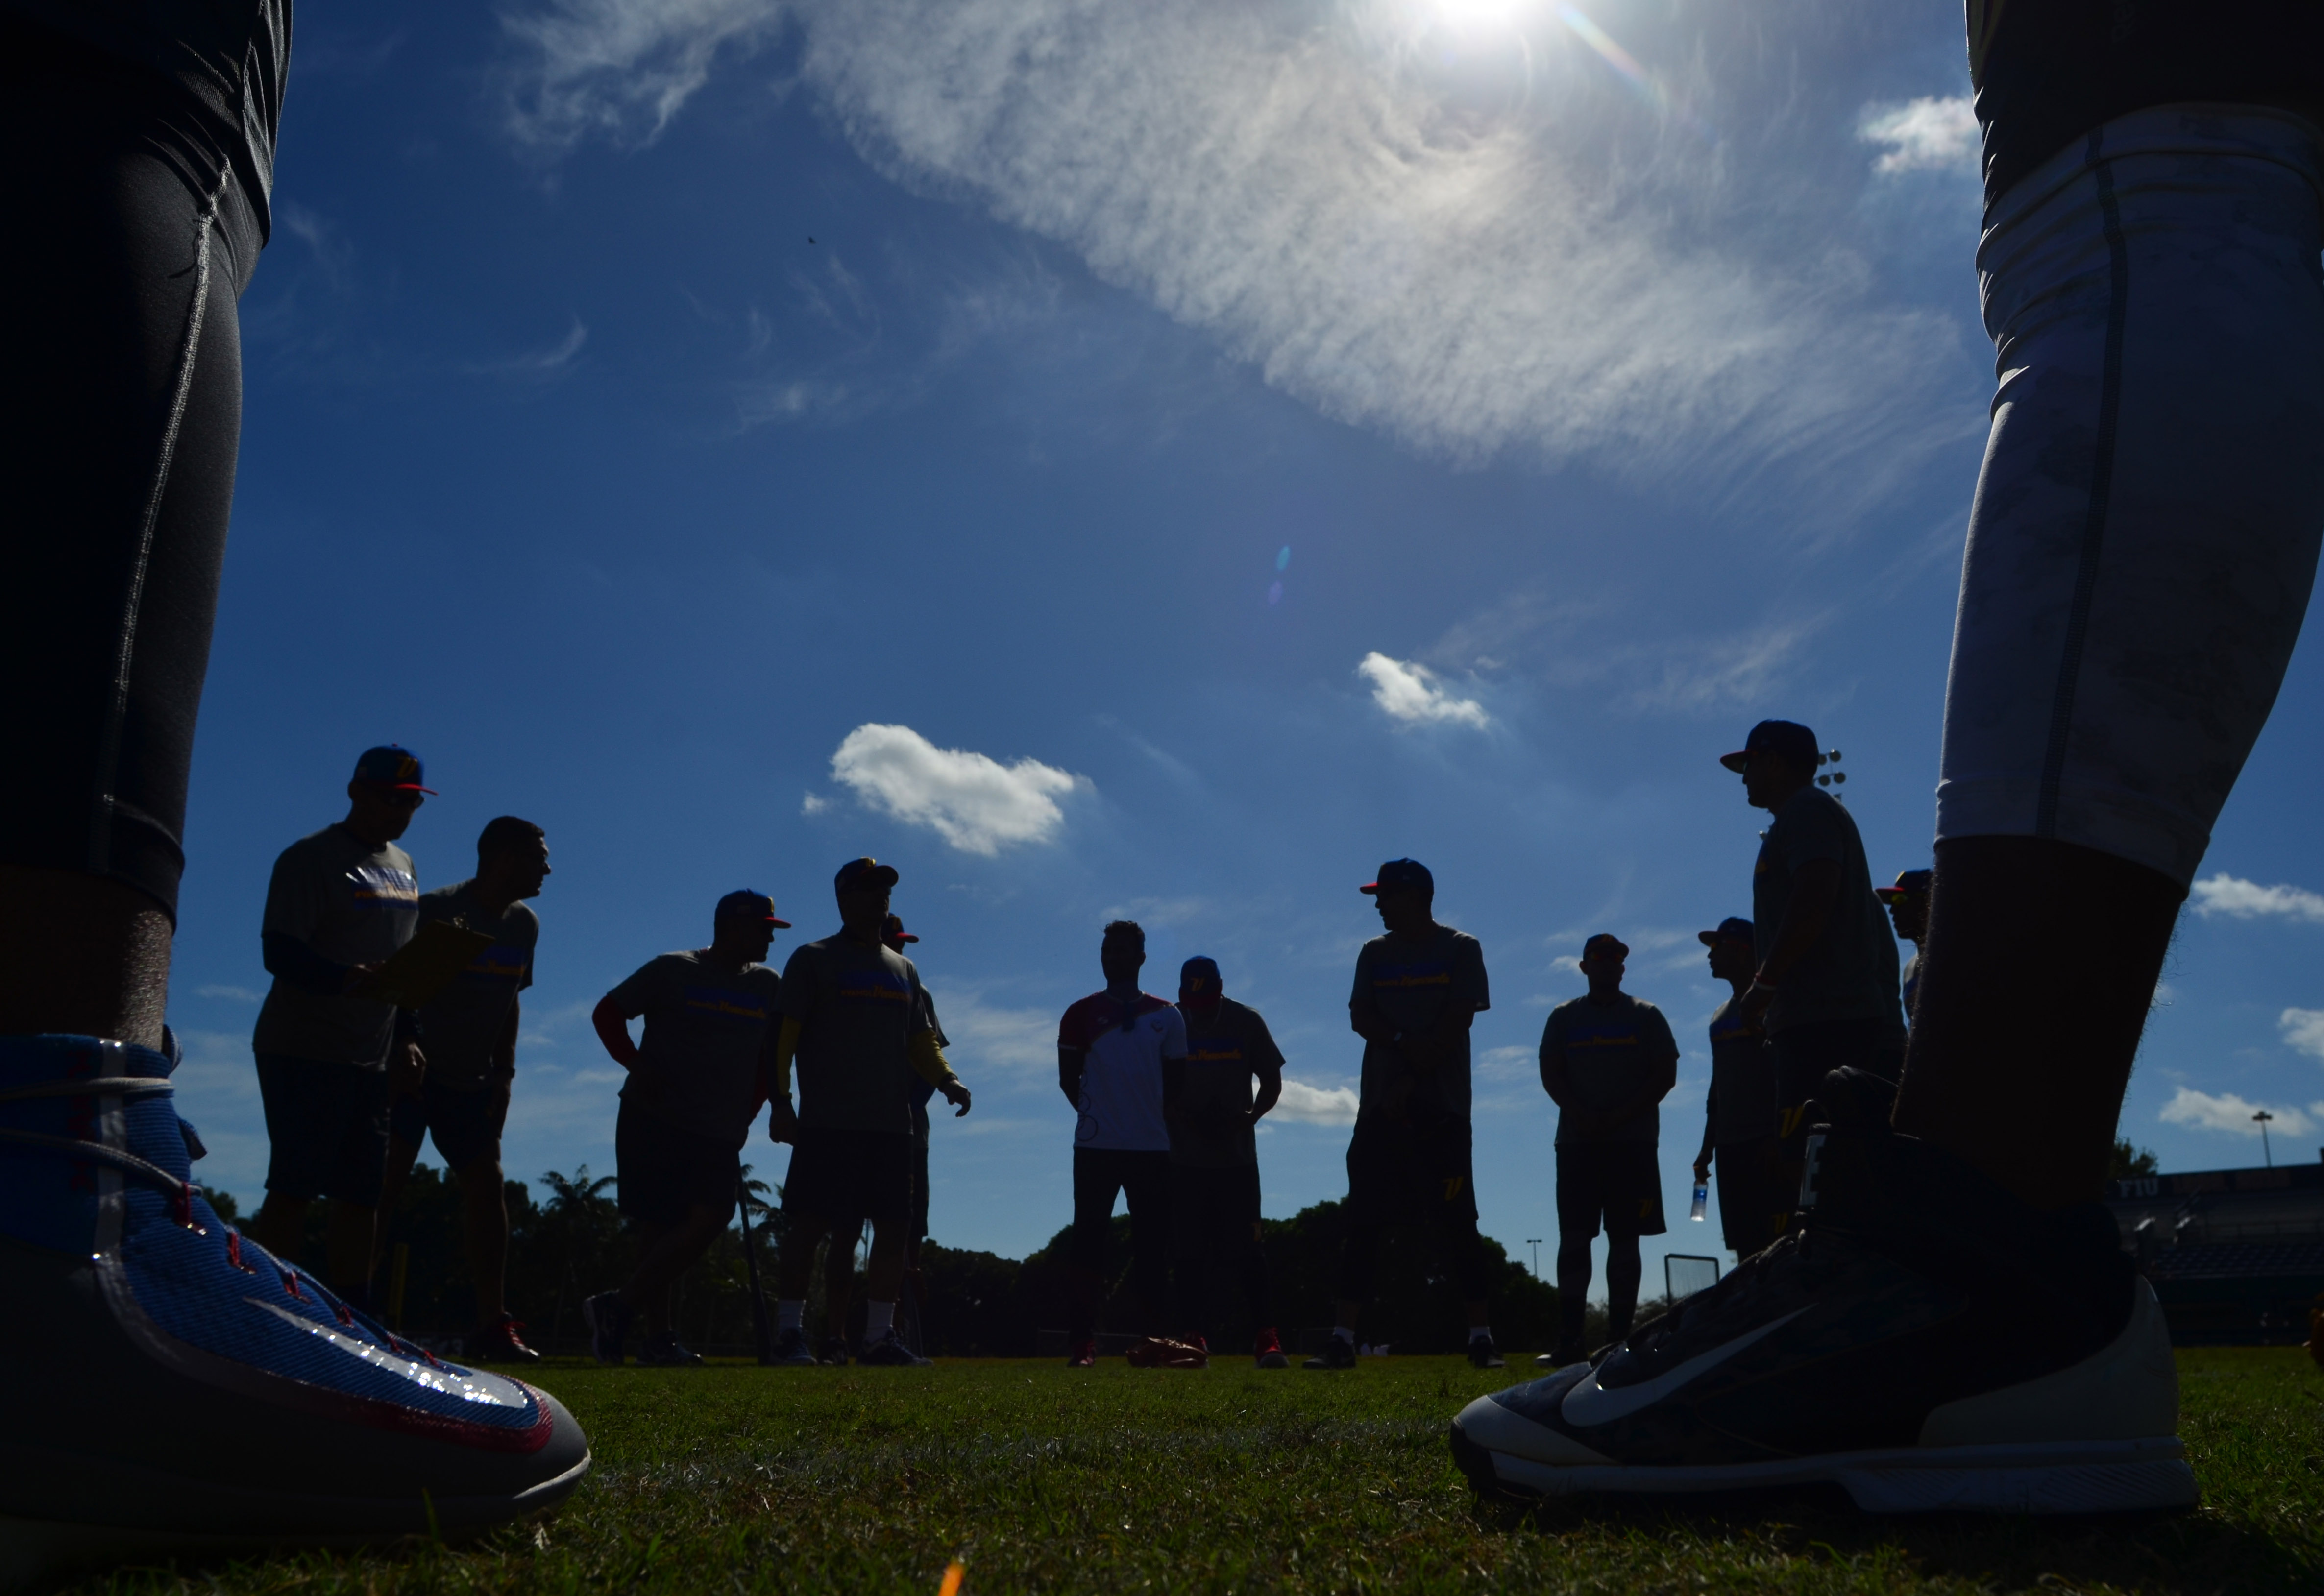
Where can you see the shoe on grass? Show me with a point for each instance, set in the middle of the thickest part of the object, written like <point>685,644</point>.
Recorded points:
<point>1267,1352</point>
<point>1482,1354</point>
<point>890,1353</point>
<point>667,1351</point>
<point>1163,1351</point>
<point>607,1317</point>
<point>832,1351</point>
<point>181,1392</point>
<point>1083,1353</point>
<point>1921,1339</point>
<point>499,1342</point>
<point>791,1350</point>
<point>1339,1352</point>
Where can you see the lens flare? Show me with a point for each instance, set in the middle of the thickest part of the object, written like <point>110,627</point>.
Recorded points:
<point>1643,83</point>
<point>1275,593</point>
<point>1283,558</point>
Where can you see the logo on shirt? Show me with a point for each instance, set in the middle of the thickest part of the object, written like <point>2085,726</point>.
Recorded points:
<point>1411,977</point>
<point>382,886</point>
<point>881,987</point>
<point>499,965</point>
<point>724,1003</point>
<point>1210,1052</point>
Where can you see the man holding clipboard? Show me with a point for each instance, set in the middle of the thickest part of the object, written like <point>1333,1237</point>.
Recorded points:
<point>330,1041</point>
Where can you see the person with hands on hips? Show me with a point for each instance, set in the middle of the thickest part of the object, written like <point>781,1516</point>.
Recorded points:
<point>1738,1113</point>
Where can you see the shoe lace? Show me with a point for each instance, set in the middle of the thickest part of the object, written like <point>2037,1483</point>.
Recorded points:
<point>181,1193</point>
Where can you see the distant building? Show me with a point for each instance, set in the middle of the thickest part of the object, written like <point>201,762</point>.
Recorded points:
<point>2236,1256</point>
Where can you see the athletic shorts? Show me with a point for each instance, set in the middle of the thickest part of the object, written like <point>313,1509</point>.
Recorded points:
<point>1620,1180</point>
<point>1755,1200</point>
<point>466,1125</point>
<point>842,1174</point>
<point>1401,1174</point>
<point>325,1127</point>
<point>667,1172</point>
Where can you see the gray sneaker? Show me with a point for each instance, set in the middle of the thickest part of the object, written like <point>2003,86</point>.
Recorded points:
<point>890,1353</point>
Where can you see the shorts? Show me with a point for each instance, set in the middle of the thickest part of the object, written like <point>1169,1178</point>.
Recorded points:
<point>325,1127</point>
<point>1403,1173</point>
<point>465,1125</point>
<point>1754,1200</point>
<point>1622,1180</point>
<point>841,1174</point>
<point>667,1172</point>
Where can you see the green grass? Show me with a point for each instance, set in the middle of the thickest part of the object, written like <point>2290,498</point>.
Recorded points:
<point>741,1479</point>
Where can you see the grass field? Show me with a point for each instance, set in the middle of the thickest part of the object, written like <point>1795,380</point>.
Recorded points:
<point>737,1479</point>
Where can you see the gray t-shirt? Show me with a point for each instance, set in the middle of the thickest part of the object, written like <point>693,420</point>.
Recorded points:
<point>1212,1129</point>
<point>858,1008</point>
<point>354,904</point>
<point>1608,1051</point>
<point>462,1025</point>
<point>1742,1104</point>
<point>705,1029</point>
<point>1408,986</point>
<point>1850,971</point>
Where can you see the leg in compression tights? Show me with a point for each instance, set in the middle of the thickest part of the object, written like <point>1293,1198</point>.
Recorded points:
<point>2141,551</point>
<point>1573,1289</point>
<point>119,455</point>
<point>1624,1271</point>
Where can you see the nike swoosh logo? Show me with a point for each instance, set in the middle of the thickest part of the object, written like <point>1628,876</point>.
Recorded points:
<point>467,1387</point>
<point>1591,1403</point>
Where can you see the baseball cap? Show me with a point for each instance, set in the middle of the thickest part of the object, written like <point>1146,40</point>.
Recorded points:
<point>860,874</point>
<point>1604,945</point>
<point>1786,739</point>
<point>893,929</point>
<point>744,904</point>
<point>1733,928</point>
<point>1397,875</point>
<point>1908,883</point>
<point>1198,970</point>
<point>391,766</point>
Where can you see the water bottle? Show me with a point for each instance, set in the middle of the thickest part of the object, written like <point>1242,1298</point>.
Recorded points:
<point>1702,1202</point>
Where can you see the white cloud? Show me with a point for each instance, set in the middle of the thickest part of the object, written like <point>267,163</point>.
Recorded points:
<point>1569,274</point>
<point>231,994</point>
<point>814,804</point>
<point>1924,135</point>
<point>2304,1030</point>
<point>538,365</point>
<point>1315,1105</point>
<point>2248,901</point>
<point>2199,1111</point>
<point>1412,692</point>
<point>975,803</point>
<point>983,1034</point>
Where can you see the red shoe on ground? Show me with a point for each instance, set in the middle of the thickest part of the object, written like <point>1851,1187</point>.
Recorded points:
<point>1082,1354</point>
<point>1267,1350</point>
<point>499,1342</point>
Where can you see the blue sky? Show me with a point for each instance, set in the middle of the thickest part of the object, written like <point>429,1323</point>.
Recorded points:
<point>1162,459</point>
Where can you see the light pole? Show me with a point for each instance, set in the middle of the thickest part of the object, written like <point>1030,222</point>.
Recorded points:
<point>2261,1119</point>
<point>1535,1242</point>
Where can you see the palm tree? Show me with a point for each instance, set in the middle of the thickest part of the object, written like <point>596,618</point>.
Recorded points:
<point>576,1205</point>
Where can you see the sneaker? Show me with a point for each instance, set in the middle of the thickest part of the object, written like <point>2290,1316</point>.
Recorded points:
<point>1083,1353</point>
<point>1338,1353</point>
<point>499,1342</point>
<point>1921,1338</point>
<point>832,1351</point>
<point>607,1318</point>
<point>791,1349</point>
<point>890,1353</point>
<point>667,1351</point>
<point>1162,1351</point>
<point>1482,1354</point>
<point>151,1320</point>
<point>1267,1352</point>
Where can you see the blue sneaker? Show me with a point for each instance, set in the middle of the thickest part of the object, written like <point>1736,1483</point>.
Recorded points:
<point>1921,1339</point>
<point>180,1389</point>
<point>607,1317</point>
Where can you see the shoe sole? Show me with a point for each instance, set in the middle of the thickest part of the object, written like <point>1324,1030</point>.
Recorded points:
<point>35,1550</point>
<point>2045,1477</point>
<point>1274,1360</point>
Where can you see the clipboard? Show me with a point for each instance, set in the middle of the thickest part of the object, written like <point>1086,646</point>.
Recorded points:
<point>425,965</point>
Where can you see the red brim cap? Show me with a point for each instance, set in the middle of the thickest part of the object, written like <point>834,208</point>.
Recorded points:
<point>1369,887</point>
<point>778,924</point>
<point>905,937</point>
